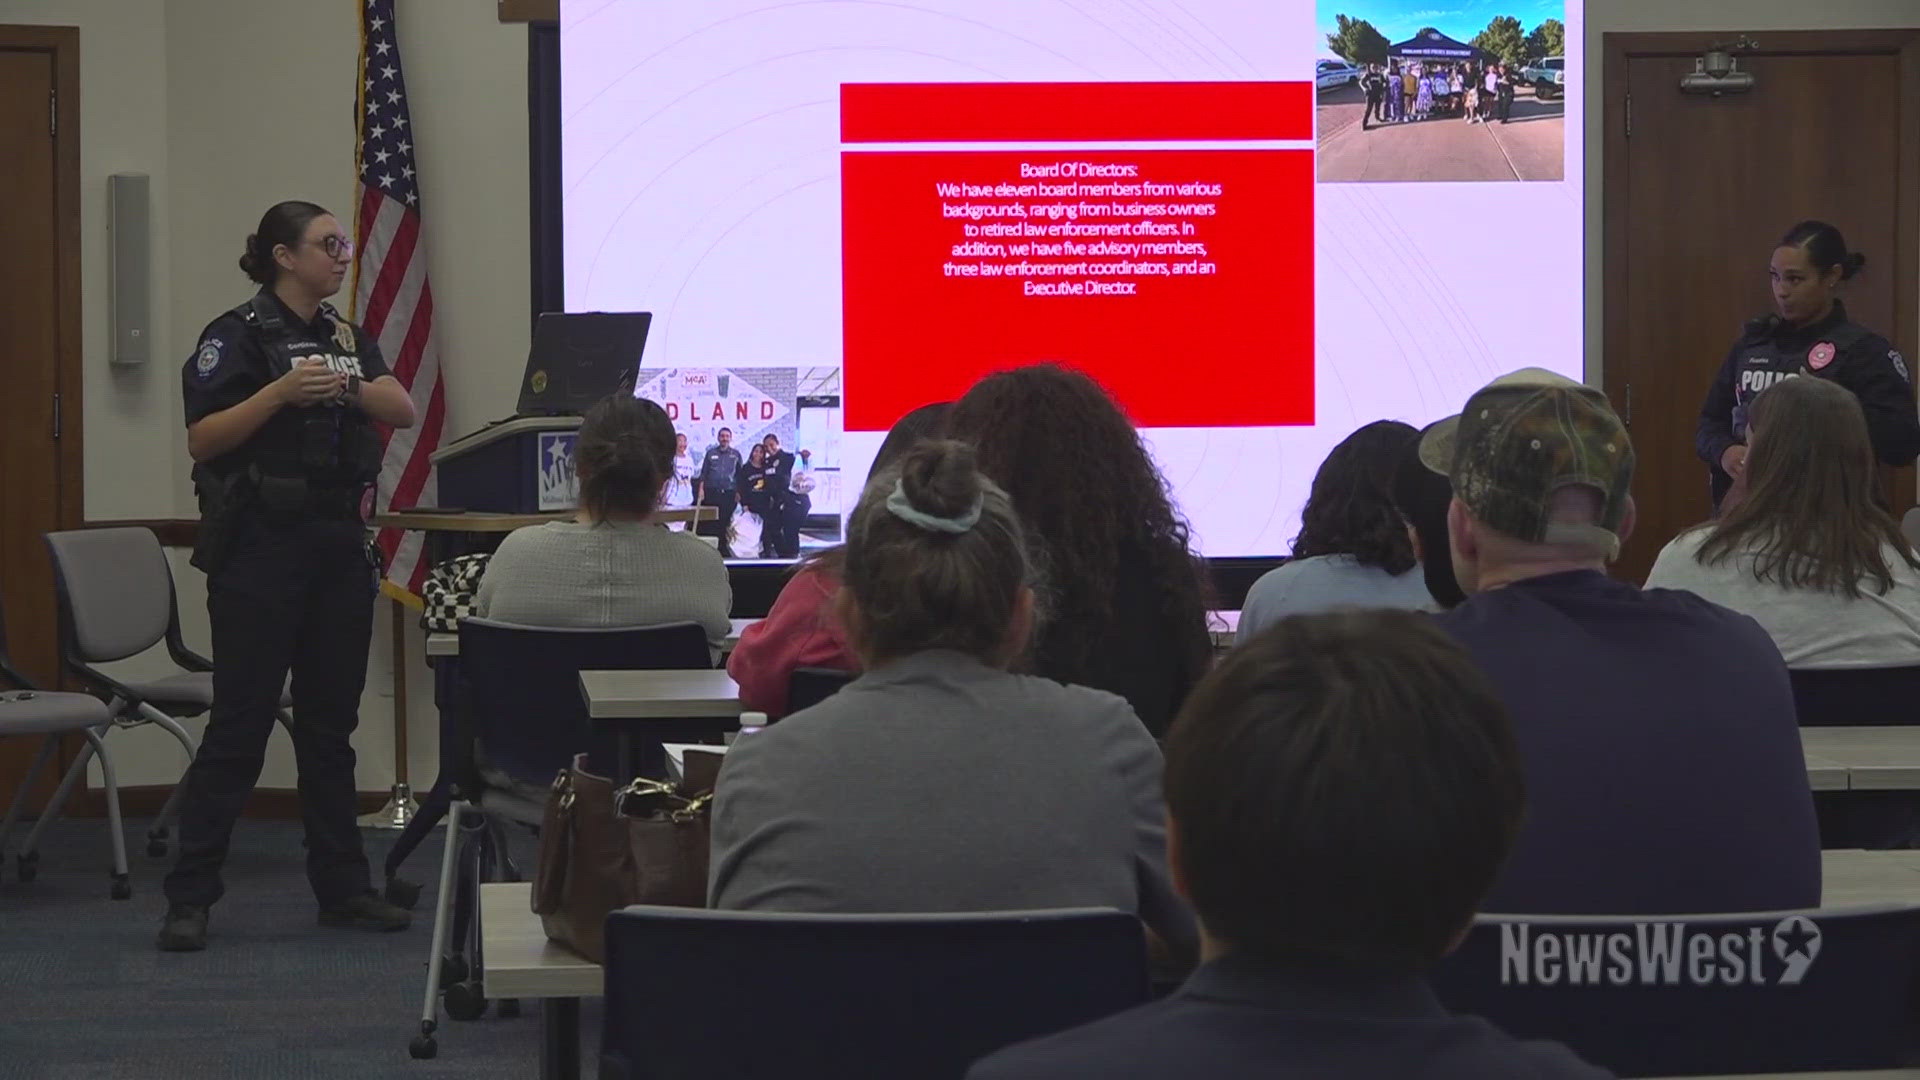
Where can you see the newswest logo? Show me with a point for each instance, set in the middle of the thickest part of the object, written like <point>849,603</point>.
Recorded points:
<point>1666,953</point>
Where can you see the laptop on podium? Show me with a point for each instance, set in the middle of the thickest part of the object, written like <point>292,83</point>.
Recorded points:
<point>524,464</point>
<point>579,358</point>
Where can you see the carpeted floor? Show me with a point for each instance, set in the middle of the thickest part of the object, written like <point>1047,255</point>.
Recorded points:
<point>83,992</point>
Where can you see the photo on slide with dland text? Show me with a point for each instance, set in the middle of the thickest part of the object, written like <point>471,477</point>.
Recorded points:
<point>1406,91</point>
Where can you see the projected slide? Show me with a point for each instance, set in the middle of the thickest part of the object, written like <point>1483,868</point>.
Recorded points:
<point>839,211</point>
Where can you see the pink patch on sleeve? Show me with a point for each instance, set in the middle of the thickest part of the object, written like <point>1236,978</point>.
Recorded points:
<point>1820,355</point>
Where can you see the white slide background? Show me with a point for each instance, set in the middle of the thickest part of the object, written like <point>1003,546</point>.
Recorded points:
<point>701,161</point>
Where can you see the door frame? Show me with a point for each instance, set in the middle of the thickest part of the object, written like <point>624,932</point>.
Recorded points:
<point>63,44</point>
<point>1615,260</point>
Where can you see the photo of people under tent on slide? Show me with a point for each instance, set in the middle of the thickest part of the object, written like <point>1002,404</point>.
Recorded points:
<point>1412,95</point>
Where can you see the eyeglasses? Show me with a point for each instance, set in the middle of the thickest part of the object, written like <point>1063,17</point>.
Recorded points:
<point>336,246</point>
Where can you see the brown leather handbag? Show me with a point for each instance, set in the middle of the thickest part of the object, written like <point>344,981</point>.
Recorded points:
<point>602,849</point>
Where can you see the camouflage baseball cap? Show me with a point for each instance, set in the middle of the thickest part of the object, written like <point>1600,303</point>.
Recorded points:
<point>1524,436</point>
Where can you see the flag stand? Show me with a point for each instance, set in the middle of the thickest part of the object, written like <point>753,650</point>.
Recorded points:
<point>400,806</point>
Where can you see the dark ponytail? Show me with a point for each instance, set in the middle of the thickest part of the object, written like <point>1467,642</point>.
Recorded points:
<point>624,456</point>
<point>936,557</point>
<point>285,224</point>
<point>1825,248</point>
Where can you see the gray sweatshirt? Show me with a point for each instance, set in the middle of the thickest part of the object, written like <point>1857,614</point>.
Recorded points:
<point>938,784</point>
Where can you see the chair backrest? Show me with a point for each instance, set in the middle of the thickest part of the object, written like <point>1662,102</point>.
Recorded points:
<point>523,684</point>
<point>1910,525</point>
<point>809,686</point>
<point>1856,696</point>
<point>918,996</point>
<point>115,591</point>
<point>1772,992</point>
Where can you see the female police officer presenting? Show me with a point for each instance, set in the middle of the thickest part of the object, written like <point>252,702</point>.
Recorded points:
<point>279,397</point>
<point>1808,334</point>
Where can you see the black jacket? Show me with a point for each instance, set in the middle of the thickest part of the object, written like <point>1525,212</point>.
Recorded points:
<point>1833,348</point>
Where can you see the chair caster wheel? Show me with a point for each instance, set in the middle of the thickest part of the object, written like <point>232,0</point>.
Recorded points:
<point>27,867</point>
<point>402,894</point>
<point>423,1047</point>
<point>453,971</point>
<point>508,1008</point>
<point>465,1001</point>
<point>122,888</point>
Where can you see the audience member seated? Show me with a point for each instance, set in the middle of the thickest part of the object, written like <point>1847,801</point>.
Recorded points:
<point>1126,599</point>
<point>938,780</point>
<point>613,565</point>
<point>1657,729</point>
<point>801,630</point>
<point>1353,549</point>
<point>1421,497</point>
<point>1808,553</point>
<point>1340,794</point>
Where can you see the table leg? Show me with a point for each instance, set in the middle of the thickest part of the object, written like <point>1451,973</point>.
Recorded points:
<point>560,1038</point>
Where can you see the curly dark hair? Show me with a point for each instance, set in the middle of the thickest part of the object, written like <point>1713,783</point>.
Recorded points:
<point>1094,505</point>
<point>1350,508</point>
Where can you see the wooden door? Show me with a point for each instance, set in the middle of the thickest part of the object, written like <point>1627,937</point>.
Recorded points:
<point>1697,191</point>
<point>38,348</point>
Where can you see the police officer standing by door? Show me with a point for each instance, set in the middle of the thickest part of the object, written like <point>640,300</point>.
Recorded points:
<point>281,394</point>
<point>1808,334</point>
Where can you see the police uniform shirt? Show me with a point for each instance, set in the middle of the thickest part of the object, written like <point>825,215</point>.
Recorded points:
<point>1833,348</point>
<point>234,360</point>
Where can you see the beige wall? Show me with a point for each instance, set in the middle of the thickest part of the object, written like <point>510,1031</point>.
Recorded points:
<point>231,105</point>
<point>131,414</point>
<point>1750,16</point>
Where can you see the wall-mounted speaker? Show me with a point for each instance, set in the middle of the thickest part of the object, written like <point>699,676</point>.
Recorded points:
<point>129,263</point>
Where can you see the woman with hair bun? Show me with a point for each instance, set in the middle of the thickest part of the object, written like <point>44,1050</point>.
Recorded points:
<point>281,397</point>
<point>1808,333</point>
<point>939,780</point>
<point>613,564</point>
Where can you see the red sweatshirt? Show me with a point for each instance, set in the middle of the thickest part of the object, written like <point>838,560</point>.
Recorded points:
<point>800,631</point>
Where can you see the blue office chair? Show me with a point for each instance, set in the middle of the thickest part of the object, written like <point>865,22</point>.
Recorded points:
<point>519,696</point>
<point>1856,696</point>
<point>1880,696</point>
<point>1852,1006</point>
<point>809,686</point>
<point>835,996</point>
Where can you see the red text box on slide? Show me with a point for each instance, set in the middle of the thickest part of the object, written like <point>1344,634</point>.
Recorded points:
<point>1198,314</point>
<point>1075,112</point>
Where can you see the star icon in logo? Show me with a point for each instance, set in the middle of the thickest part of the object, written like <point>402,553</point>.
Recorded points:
<point>1795,937</point>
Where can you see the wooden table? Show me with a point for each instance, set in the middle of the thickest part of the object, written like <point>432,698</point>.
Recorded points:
<point>659,695</point>
<point>476,521</point>
<point>1874,758</point>
<point>1852,877</point>
<point>1855,1075</point>
<point>517,961</point>
<point>439,644</point>
<point>660,707</point>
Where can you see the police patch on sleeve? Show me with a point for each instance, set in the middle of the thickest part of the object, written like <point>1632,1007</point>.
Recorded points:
<point>207,359</point>
<point>1899,364</point>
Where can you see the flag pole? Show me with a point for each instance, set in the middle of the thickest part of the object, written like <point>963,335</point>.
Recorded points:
<point>401,806</point>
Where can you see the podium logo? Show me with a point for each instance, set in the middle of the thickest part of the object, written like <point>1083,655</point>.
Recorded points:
<point>1659,954</point>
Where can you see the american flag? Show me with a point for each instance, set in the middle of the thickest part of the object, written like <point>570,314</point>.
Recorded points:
<point>391,298</point>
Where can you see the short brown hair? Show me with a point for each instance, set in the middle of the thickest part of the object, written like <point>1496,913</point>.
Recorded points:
<point>942,566</point>
<point>1810,519</point>
<point>1343,785</point>
<point>624,456</point>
